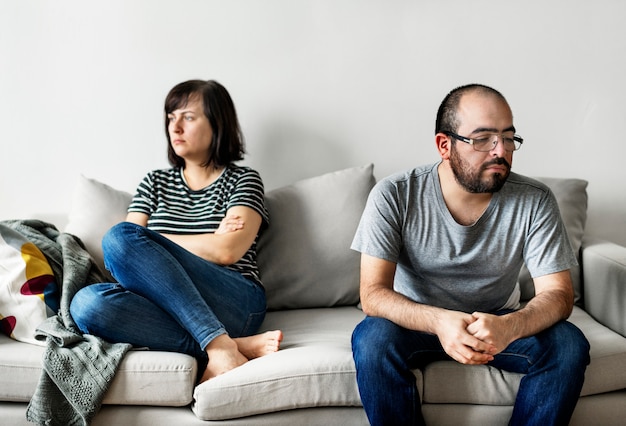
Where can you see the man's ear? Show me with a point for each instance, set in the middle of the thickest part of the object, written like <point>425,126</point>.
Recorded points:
<point>444,145</point>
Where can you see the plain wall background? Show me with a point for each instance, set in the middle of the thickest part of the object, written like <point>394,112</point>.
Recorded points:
<point>319,85</point>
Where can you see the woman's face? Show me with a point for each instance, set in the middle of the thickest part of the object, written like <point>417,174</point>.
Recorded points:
<point>190,131</point>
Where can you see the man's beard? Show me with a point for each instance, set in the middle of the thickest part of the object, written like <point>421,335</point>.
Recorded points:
<point>472,181</point>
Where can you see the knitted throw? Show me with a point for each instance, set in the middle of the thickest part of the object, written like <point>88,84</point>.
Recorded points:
<point>77,368</point>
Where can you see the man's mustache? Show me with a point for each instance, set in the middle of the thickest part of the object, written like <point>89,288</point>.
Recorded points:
<point>497,161</point>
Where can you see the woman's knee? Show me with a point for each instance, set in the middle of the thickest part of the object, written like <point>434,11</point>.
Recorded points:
<point>116,240</point>
<point>81,305</point>
<point>86,303</point>
<point>118,234</point>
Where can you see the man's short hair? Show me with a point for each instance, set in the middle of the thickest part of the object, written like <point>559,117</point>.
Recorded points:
<point>447,119</point>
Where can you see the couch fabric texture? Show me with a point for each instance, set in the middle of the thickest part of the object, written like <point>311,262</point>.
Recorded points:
<point>312,282</point>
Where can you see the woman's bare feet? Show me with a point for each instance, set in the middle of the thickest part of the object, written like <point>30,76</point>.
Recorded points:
<point>226,353</point>
<point>223,355</point>
<point>259,344</point>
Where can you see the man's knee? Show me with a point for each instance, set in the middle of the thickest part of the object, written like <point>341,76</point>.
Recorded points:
<point>369,331</point>
<point>372,339</point>
<point>572,345</point>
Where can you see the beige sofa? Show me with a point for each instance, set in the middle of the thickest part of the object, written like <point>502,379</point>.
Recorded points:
<point>312,277</point>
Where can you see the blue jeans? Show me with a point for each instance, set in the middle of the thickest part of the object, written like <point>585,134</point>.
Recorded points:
<point>167,298</point>
<point>553,361</point>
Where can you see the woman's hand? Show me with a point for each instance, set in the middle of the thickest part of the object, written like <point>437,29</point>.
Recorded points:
<point>235,235</point>
<point>230,223</point>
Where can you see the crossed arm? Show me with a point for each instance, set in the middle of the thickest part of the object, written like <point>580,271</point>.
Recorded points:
<point>468,338</point>
<point>227,245</point>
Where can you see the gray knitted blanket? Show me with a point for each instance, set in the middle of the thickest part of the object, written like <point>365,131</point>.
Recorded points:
<point>77,368</point>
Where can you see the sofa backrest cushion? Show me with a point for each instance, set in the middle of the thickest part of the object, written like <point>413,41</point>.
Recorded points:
<point>304,255</point>
<point>95,208</point>
<point>571,196</point>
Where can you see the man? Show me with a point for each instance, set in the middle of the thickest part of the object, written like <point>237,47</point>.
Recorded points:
<point>441,249</point>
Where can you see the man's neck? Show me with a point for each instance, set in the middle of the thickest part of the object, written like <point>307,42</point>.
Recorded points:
<point>464,206</point>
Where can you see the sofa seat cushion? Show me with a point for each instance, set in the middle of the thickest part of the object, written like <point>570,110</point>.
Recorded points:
<point>153,378</point>
<point>447,382</point>
<point>313,368</point>
<point>143,378</point>
<point>20,368</point>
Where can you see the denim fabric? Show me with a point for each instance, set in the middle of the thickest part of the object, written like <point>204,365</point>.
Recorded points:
<point>167,298</point>
<point>553,361</point>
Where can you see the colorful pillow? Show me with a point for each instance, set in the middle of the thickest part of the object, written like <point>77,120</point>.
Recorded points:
<point>28,290</point>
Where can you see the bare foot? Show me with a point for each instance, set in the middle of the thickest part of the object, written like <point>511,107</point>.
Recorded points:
<point>223,356</point>
<point>259,344</point>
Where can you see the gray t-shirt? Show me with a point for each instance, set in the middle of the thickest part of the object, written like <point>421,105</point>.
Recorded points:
<point>465,268</point>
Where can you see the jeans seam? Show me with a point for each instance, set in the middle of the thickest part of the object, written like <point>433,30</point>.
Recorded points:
<point>518,356</point>
<point>249,321</point>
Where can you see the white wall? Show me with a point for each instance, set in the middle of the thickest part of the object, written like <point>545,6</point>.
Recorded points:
<point>320,85</point>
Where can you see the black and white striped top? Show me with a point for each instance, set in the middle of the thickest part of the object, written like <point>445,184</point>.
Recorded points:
<point>173,208</point>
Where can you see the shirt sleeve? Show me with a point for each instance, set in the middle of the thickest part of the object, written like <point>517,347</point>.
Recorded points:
<point>249,192</point>
<point>548,249</point>
<point>379,233</point>
<point>144,200</point>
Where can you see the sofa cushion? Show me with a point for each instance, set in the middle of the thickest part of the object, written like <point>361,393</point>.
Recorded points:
<point>606,371</point>
<point>304,256</point>
<point>307,244</point>
<point>451,382</point>
<point>313,368</point>
<point>95,208</point>
<point>143,378</point>
<point>20,369</point>
<point>153,378</point>
<point>571,196</point>
<point>605,279</point>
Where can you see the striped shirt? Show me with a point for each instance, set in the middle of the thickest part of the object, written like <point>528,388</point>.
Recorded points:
<point>174,208</point>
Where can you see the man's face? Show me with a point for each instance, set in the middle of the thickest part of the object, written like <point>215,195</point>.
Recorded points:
<point>481,172</point>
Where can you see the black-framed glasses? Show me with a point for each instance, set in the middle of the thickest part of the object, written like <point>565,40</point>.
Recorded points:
<point>485,142</point>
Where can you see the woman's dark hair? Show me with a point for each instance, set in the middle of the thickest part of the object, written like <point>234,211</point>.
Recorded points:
<point>227,145</point>
<point>447,120</point>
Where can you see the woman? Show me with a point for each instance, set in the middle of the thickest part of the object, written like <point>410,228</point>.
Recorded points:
<point>185,259</point>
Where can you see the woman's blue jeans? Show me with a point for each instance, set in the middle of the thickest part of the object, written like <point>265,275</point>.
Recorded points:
<point>167,298</point>
<point>553,361</point>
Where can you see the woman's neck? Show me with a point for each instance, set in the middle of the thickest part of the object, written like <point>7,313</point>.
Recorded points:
<point>198,177</point>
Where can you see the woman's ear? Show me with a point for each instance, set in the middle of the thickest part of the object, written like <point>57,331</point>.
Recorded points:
<point>443,145</point>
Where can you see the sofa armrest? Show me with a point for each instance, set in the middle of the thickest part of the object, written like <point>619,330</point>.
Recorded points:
<point>604,282</point>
